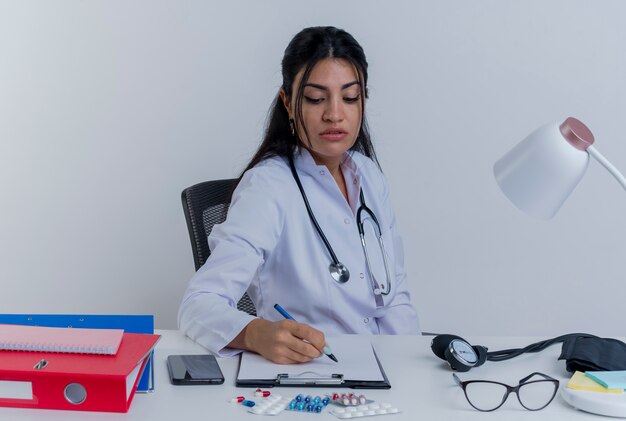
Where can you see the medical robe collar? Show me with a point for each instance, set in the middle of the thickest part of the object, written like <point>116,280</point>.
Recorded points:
<point>304,162</point>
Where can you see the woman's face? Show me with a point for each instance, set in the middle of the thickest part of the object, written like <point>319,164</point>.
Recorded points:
<point>331,110</point>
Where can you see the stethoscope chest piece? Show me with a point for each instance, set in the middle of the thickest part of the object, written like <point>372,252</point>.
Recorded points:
<point>339,272</point>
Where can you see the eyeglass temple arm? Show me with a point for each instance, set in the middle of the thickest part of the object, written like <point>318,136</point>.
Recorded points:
<point>606,164</point>
<point>457,380</point>
<point>536,373</point>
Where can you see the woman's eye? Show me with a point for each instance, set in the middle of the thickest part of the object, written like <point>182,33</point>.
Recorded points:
<point>312,100</point>
<point>352,99</point>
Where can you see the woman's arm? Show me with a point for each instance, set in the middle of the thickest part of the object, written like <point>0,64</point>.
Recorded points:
<point>239,247</point>
<point>208,312</point>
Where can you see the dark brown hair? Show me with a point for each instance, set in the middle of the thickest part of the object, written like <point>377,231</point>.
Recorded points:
<point>304,51</point>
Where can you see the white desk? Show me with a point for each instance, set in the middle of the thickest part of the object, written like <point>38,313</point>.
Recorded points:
<point>422,387</point>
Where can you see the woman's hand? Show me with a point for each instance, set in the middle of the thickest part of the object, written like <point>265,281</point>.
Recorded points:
<point>283,342</point>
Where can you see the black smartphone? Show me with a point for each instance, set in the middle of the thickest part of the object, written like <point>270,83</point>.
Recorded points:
<point>194,369</point>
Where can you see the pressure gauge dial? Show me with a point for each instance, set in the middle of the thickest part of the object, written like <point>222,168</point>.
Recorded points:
<point>461,355</point>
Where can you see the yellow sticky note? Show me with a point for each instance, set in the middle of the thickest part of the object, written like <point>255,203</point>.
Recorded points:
<point>581,382</point>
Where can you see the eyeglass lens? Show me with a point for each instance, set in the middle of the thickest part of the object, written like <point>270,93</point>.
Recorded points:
<point>488,396</point>
<point>485,396</point>
<point>536,395</point>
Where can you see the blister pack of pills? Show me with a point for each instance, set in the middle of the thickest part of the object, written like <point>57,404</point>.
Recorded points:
<point>368,410</point>
<point>271,405</point>
<point>349,399</point>
<point>308,403</point>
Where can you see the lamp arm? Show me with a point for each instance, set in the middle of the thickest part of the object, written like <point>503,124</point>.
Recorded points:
<point>606,164</point>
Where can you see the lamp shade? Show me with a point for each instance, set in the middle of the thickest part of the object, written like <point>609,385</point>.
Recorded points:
<point>541,171</point>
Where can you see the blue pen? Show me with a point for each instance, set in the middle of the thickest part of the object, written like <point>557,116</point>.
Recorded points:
<point>286,315</point>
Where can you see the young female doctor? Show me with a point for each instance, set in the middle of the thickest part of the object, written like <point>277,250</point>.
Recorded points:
<point>293,232</point>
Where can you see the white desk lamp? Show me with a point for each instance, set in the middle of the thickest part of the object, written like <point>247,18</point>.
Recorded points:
<point>538,175</point>
<point>541,171</point>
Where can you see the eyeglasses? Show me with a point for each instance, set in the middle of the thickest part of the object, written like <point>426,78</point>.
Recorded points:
<point>486,395</point>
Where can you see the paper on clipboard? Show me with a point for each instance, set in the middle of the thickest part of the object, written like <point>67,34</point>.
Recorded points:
<point>355,353</point>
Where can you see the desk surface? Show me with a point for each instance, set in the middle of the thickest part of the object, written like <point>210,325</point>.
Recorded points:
<point>422,386</point>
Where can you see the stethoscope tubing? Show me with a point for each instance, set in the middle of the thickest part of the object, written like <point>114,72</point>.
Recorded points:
<point>367,210</point>
<point>362,208</point>
<point>333,256</point>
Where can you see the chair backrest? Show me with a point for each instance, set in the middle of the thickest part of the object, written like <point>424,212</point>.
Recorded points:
<point>206,204</point>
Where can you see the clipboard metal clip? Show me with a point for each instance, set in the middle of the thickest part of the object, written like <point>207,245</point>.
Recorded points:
<point>285,380</point>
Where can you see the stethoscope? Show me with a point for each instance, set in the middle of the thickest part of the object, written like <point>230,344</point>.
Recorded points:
<point>338,271</point>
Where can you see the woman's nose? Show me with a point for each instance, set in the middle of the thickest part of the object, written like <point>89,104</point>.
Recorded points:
<point>333,111</point>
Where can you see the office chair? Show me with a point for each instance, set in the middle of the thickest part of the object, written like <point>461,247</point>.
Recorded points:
<point>206,204</point>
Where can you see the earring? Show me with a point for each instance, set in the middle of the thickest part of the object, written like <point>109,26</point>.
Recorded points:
<point>293,127</point>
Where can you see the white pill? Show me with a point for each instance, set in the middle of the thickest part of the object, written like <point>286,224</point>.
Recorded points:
<point>374,406</point>
<point>339,411</point>
<point>393,410</point>
<point>351,409</point>
<point>362,407</point>
<point>381,411</point>
<point>358,414</point>
<point>346,415</point>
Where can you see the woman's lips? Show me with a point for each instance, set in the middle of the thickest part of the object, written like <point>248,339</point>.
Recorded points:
<point>333,135</point>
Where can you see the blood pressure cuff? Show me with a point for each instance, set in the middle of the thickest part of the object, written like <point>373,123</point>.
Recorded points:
<point>593,354</point>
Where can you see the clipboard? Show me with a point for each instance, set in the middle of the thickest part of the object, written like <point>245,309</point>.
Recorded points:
<point>356,369</point>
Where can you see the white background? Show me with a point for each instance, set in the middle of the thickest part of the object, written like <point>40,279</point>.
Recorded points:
<point>109,109</point>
